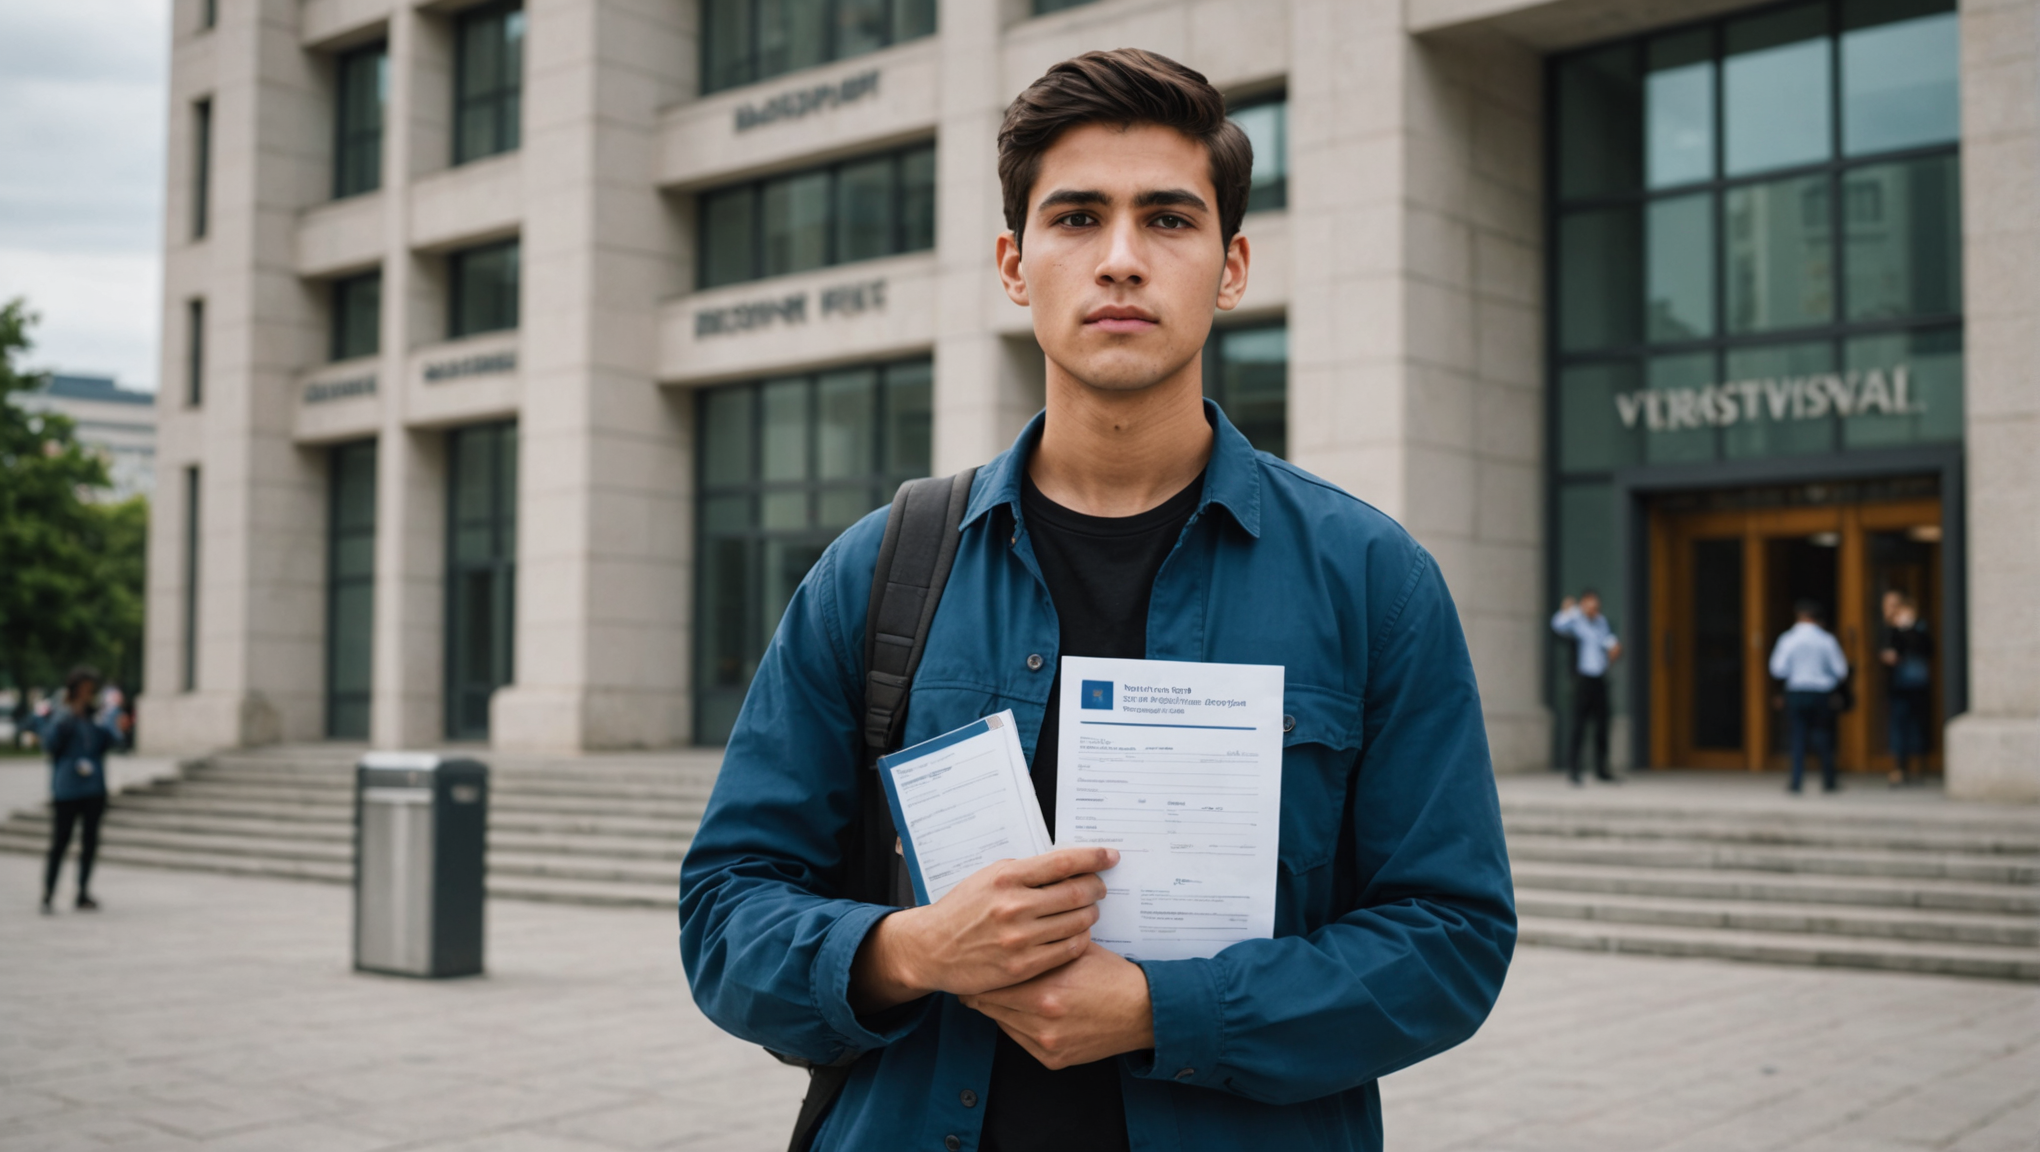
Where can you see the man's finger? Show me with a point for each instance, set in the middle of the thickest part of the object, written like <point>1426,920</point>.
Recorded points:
<point>1061,864</point>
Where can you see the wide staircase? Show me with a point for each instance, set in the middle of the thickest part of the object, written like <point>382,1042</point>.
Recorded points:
<point>1726,866</point>
<point>607,829</point>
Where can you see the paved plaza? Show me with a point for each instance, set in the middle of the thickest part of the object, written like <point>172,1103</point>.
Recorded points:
<point>200,1011</point>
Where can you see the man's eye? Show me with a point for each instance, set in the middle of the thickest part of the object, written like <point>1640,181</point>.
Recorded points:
<point>1078,220</point>
<point>1172,221</point>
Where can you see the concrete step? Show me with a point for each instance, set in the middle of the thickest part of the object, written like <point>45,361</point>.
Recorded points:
<point>1765,916</point>
<point>1948,959</point>
<point>342,784</point>
<point>593,856</point>
<point>1774,811</point>
<point>627,834</point>
<point>1814,834</point>
<point>23,837</point>
<point>1732,884</point>
<point>274,805</point>
<point>1754,857</point>
<point>557,890</point>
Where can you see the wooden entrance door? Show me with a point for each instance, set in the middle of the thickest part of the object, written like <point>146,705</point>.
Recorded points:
<point>1723,586</point>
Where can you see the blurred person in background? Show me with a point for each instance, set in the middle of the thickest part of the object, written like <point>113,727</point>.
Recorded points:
<point>1810,662</point>
<point>1595,649</point>
<point>77,744</point>
<point>1907,650</point>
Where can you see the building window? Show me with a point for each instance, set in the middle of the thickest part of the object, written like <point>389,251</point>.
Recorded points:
<point>481,289</point>
<point>194,352</point>
<point>1247,371</point>
<point>745,41</point>
<point>361,90</point>
<point>857,210</point>
<point>208,14</point>
<point>786,465</point>
<point>201,166</point>
<point>350,590</point>
<point>357,316</point>
<point>488,80</point>
<point>1265,120</point>
<point>481,573</point>
<point>1044,7</point>
<point>188,680</point>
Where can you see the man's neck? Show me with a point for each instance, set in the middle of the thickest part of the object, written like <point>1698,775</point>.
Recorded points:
<point>1109,453</point>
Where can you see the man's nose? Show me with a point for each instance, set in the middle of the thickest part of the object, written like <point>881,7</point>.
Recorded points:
<point>1125,259</point>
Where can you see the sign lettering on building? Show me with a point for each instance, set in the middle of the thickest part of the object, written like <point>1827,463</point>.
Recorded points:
<point>1813,397</point>
<point>838,300</point>
<point>472,366</point>
<point>324,390</point>
<point>803,101</point>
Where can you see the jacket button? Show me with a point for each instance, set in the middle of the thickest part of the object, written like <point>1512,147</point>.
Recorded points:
<point>1289,723</point>
<point>968,1097</point>
<point>1186,1073</point>
<point>951,1143</point>
<point>1034,662</point>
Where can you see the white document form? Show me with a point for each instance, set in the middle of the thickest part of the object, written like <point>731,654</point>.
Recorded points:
<point>1179,766</point>
<point>961,801</point>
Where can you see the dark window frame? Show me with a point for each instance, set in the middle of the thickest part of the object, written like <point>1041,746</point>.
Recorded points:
<point>755,190</point>
<point>506,100</point>
<point>337,581</point>
<point>357,150</point>
<point>201,165</point>
<point>1278,198</point>
<point>193,492</point>
<point>208,15</point>
<point>339,313</point>
<point>1214,365</point>
<point>194,352</point>
<point>501,523</point>
<point>456,291</point>
<point>747,71</point>
<point>1050,7</point>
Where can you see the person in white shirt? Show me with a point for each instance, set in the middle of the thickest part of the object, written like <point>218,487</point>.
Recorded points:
<point>1595,649</point>
<point>1810,662</point>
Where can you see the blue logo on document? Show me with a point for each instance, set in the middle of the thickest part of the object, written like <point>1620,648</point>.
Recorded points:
<point>1098,694</point>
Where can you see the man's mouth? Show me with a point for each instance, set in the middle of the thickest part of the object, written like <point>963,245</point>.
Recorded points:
<point>1120,319</point>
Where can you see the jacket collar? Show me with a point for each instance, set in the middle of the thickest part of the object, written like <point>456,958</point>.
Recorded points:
<point>1232,479</point>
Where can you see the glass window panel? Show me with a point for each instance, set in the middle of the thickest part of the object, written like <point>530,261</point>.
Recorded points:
<point>1592,434</point>
<point>1680,432</point>
<point>1680,265</point>
<point>362,80</point>
<point>1777,380</point>
<point>1600,290</point>
<point>353,636</point>
<point>729,231</point>
<point>909,418</point>
<point>1776,90</point>
<point>473,501</point>
<point>726,49</point>
<point>782,511</point>
<point>354,555</point>
<point>1779,255</point>
<point>792,34</point>
<point>842,507</point>
<point>1903,228</point>
<point>785,437</point>
<point>727,577</point>
<point>1266,126</point>
<point>725,515</point>
<point>843,440</point>
<point>1899,87</point>
<point>913,18</point>
<point>864,210</point>
<point>1252,385</point>
<point>917,200</point>
<point>1600,123</point>
<point>1679,109</point>
<point>354,475</point>
<point>861,27</point>
<point>1587,559</point>
<point>726,436</point>
<point>357,316</point>
<point>1906,388</point>
<point>795,213</point>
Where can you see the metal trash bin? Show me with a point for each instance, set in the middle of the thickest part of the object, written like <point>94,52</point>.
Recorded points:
<point>421,826</point>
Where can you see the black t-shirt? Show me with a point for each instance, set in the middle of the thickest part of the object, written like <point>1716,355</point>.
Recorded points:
<point>1100,572</point>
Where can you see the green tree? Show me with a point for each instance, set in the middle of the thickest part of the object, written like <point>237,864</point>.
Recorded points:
<point>71,569</point>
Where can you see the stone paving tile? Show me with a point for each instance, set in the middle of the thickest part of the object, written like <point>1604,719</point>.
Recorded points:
<point>219,1013</point>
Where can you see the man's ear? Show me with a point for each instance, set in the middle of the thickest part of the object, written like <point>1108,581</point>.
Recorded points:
<point>1006,256</point>
<point>1232,283</point>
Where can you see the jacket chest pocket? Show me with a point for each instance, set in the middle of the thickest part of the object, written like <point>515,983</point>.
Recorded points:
<point>1321,737</point>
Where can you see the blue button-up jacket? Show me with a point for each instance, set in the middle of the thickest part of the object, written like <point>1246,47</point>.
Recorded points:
<point>1394,920</point>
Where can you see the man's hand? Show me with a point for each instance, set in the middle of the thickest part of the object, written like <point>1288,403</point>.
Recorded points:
<point>1008,922</point>
<point>1614,651</point>
<point>1566,605</point>
<point>1093,1007</point>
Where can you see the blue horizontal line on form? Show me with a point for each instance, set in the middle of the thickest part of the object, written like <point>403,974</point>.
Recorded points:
<point>1131,724</point>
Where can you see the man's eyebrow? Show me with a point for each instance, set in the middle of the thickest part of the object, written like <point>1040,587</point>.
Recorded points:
<point>1074,197</point>
<point>1170,198</point>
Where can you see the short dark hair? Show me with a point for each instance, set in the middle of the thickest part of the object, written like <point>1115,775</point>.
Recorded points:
<point>1586,592</point>
<point>1807,608</point>
<point>1125,86</point>
<point>80,675</point>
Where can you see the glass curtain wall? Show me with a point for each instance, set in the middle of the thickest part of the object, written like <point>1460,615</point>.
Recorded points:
<point>481,573</point>
<point>745,41</point>
<point>488,80</point>
<point>857,210</point>
<point>1757,243</point>
<point>786,465</point>
<point>1246,370</point>
<point>350,590</point>
<point>361,89</point>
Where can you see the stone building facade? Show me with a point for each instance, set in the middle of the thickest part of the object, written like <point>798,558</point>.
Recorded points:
<point>519,357</point>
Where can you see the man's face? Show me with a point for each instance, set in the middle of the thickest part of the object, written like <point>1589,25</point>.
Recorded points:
<point>1121,260</point>
<point>1591,605</point>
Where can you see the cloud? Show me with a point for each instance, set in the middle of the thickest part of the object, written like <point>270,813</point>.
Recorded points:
<point>83,89</point>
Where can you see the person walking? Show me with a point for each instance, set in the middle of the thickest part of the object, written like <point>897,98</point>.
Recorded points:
<point>1810,662</point>
<point>1907,651</point>
<point>1595,649</point>
<point>77,744</point>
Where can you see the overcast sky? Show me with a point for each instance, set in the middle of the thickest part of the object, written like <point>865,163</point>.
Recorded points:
<point>82,91</point>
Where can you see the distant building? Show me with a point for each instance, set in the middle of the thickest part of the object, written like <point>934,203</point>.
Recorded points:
<point>118,423</point>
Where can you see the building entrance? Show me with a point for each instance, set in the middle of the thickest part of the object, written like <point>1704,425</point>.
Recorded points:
<point>1726,571</point>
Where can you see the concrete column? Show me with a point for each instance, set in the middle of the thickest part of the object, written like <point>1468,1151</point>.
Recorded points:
<point>1993,752</point>
<point>604,480</point>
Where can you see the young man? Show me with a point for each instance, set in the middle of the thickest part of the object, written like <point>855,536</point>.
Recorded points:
<point>1130,519</point>
<point>1810,662</point>
<point>1594,649</point>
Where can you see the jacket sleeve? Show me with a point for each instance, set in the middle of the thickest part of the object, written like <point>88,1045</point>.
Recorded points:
<point>766,940</point>
<point>1415,967</point>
